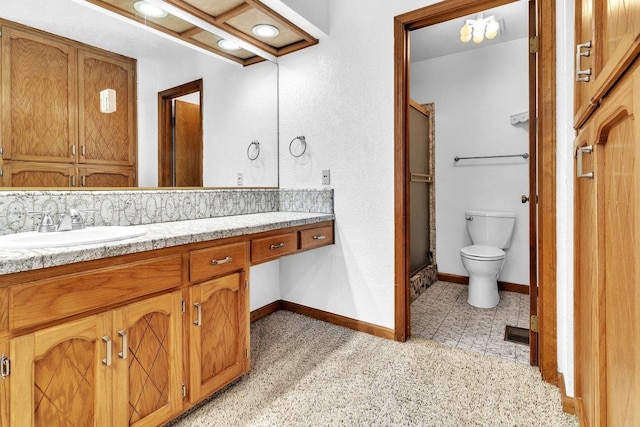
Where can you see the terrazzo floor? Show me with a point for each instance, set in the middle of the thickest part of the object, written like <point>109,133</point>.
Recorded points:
<point>442,314</point>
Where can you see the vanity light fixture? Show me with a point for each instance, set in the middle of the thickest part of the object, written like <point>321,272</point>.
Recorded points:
<point>265,30</point>
<point>228,44</point>
<point>149,10</point>
<point>478,29</point>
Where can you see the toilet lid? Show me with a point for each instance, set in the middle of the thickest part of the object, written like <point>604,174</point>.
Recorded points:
<point>481,252</point>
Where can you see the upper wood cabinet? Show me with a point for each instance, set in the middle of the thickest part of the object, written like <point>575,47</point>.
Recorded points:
<point>51,117</point>
<point>607,37</point>
<point>38,97</point>
<point>106,138</point>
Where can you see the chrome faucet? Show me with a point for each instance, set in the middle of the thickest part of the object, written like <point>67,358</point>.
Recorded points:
<point>70,220</point>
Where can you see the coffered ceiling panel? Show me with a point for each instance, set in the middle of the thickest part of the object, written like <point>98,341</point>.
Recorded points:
<point>235,17</point>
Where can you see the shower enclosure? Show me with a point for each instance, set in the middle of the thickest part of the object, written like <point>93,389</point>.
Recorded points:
<point>423,267</point>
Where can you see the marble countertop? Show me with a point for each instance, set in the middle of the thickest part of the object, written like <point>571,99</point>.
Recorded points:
<point>158,236</point>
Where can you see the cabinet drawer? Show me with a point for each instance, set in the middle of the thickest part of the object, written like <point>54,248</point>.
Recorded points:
<point>269,248</point>
<point>316,237</point>
<point>216,261</point>
<point>50,299</point>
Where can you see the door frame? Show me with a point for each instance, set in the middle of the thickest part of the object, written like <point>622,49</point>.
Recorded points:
<point>165,130</point>
<point>545,209</point>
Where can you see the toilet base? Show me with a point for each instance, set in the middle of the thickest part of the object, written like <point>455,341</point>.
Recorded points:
<point>483,292</point>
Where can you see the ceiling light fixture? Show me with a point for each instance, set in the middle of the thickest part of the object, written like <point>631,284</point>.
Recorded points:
<point>149,10</point>
<point>228,44</point>
<point>265,30</point>
<point>478,29</point>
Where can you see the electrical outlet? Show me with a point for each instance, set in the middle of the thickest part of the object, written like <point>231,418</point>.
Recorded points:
<point>239,181</point>
<point>326,177</point>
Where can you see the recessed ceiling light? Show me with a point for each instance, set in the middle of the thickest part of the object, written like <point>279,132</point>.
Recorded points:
<point>149,10</point>
<point>265,30</point>
<point>228,45</point>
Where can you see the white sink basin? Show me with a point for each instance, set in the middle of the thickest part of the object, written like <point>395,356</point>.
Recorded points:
<point>86,236</point>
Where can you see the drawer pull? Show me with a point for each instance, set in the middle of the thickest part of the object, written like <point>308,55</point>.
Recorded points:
<point>107,361</point>
<point>319,237</point>
<point>125,344</point>
<point>198,320</point>
<point>221,261</point>
<point>278,246</point>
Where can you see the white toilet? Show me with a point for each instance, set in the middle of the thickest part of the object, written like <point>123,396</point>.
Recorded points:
<point>490,233</point>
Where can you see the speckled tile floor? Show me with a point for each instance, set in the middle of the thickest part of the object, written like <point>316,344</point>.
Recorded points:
<point>442,314</point>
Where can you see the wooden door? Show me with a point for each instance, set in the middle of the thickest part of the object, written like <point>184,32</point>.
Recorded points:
<point>38,97</point>
<point>148,361</point>
<point>618,167</point>
<point>188,145</point>
<point>106,138</point>
<point>607,318</point>
<point>607,41</point>
<point>587,341</point>
<point>219,336</point>
<point>60,375</point>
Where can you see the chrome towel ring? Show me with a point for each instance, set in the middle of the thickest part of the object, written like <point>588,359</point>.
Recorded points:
<point>299,150</point>
<point>253,150</point>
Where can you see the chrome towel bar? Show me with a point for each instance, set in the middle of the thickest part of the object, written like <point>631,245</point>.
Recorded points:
<point>523,155</point>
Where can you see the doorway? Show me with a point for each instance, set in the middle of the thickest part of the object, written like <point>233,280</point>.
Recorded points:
<point>180,146</point>
<point>543,184</point>
<point>481,90</point>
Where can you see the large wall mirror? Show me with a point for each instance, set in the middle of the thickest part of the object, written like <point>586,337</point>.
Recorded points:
<point>239,104</point>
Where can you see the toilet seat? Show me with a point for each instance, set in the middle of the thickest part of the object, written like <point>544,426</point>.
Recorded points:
<point>482,253</point>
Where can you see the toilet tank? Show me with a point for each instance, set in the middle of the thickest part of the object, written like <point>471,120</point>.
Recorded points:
<point>490,228</point>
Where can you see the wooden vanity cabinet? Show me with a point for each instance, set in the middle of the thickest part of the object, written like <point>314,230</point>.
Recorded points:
<point>129,341</point>
<point>218,318</point>
<point>121,367</point>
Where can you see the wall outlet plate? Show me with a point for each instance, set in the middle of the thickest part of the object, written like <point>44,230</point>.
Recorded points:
<point>240,179</point>
<point>326,177</point>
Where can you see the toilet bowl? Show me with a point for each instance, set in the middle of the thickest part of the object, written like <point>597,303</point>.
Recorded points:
<point>484,264</point>
<point>490,232</point>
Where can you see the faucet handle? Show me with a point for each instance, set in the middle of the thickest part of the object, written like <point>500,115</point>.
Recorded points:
<point>85,211</point>
<point>46,223</point>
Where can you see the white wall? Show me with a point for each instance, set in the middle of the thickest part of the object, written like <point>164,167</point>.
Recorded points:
<point>475,93</point>
<point>240,105</point>
<point>339,95</point>
<point>564,188</point>
<point>265,284</point>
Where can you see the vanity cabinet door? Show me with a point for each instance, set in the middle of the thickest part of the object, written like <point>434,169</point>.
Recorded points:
<point>607,37</point>
<point>219,336</point>
<point>107,176</point>
<point>35,174</point>
<point>38,98</point>
<point>148,361</point>
<point>106,138</point>
<point>60,375</point>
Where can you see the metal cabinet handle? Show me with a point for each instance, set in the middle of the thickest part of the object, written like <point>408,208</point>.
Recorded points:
<point>278,246</point>
<point>198,320</point>
<point>221,261</point>
<point>586,149</point>
<point>319,237</point>
<point>107,361</point>
<point>582,75</point>
<point>125,344</point>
